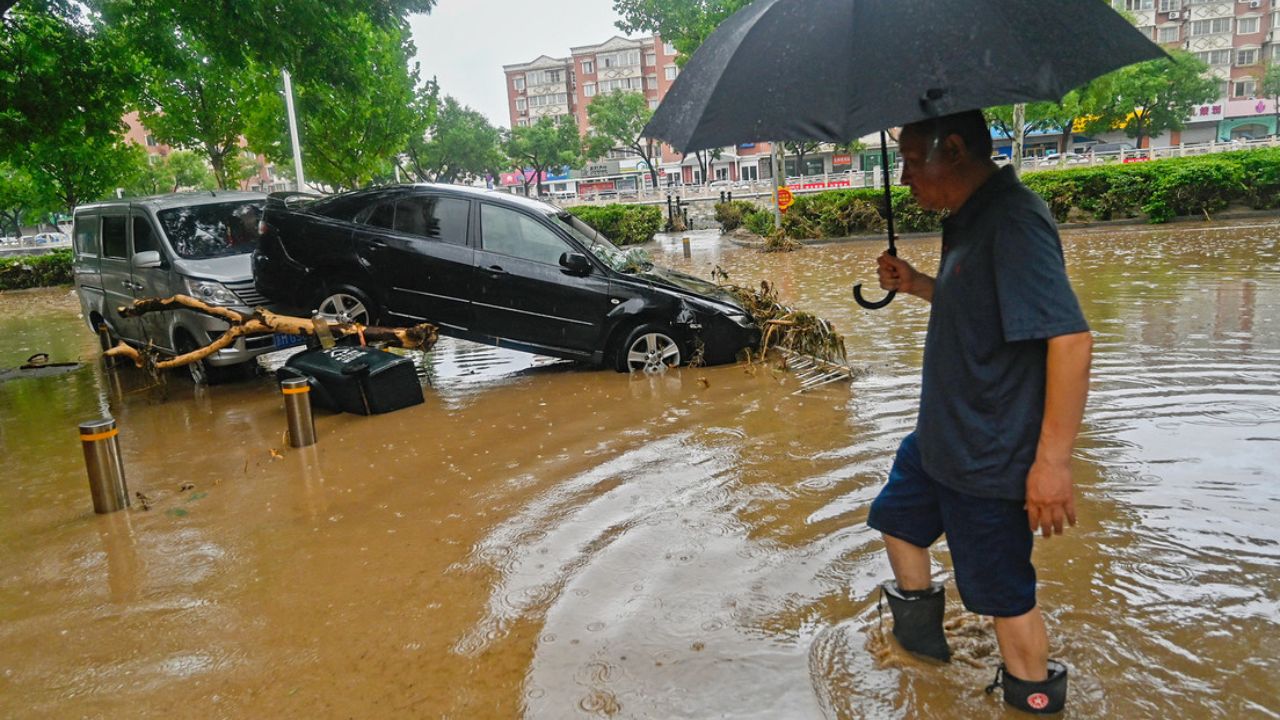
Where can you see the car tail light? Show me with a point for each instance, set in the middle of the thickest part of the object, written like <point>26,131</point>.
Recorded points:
<point>263,227</point>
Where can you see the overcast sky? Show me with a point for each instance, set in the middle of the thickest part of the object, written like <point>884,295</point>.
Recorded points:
<point>465,43</point>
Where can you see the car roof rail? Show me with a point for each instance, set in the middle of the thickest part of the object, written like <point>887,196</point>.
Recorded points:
<point>292,198</point>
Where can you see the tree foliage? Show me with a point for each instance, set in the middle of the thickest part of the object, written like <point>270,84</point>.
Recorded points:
<point>617,121</point>
<point>21,199</point>
<point>354,124</point>
<point>1270,88</point>
<point>1153,97</point>
<point>460,145</point>
<point>683,23</point>
<point>547,143</point>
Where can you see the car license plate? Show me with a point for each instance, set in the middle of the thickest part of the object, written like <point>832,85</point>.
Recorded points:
<point>285,340</point>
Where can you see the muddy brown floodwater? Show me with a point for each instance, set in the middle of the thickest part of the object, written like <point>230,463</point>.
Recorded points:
<point>545,541</point>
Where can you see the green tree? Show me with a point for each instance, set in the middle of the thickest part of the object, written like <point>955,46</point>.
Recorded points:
<point>20,197</point>
<point>151,176</point>
<point>1150,98</point>
<point>800,149</point>
<point>460,145</point>
<point>189,170</point>
<point>548,143</point>
<point>617,122</point>
<point>683,23</point>
<point>1271,89</point>
<point>350,131</point>
<point>189,97</point>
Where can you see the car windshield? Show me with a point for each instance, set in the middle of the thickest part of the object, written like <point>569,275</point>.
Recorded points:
<point>200,232</point>
<point>624,261</point>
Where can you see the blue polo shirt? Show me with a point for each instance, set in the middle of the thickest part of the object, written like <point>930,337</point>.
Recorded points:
<point>1001,293</point>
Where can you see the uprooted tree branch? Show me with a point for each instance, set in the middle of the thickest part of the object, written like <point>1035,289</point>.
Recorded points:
<point>260,322</point>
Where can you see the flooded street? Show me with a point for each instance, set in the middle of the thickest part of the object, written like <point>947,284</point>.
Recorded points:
<point>543,540</point>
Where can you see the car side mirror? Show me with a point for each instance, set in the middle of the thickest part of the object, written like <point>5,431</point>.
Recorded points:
<point>147,259</point>
<point>575,263</point>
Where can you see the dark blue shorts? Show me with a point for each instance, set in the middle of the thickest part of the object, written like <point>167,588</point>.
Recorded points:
<point>989,539</point>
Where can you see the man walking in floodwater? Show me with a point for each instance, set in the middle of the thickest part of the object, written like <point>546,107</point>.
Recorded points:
<point>1006,372</point>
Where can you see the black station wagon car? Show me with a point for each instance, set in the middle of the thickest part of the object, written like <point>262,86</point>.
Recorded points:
<point>491,268</point>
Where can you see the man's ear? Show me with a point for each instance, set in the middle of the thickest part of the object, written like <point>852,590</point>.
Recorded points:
<point>953,149</point>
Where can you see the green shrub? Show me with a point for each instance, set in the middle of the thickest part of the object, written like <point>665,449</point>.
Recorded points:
<point>730,214</point>
<point>622,224</point>
<point>759,222</point>
<point>32,271</point>
<point>1193,188</point>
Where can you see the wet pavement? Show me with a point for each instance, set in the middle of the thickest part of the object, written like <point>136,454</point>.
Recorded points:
<point>544,540</point>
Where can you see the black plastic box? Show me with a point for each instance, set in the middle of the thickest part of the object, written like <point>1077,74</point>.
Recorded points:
<point>358,380</point>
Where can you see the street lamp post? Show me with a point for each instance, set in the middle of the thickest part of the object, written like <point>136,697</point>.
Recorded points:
<point>293,132</point>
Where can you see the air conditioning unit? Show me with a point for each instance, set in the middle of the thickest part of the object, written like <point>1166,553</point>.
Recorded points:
<point>1175,15</point>
<point>1255,3</point>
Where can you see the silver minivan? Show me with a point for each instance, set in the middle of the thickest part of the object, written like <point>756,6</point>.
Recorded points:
<point>196,244</point>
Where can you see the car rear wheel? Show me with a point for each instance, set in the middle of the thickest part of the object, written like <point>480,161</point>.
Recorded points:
<point>346,304</point>
<point>649,348</point>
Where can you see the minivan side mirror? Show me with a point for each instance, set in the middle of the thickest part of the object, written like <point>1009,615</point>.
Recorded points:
<point>575,263</point>
<point>147,259</point>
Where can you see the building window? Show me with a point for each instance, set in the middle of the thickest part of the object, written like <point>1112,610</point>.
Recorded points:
<point>589,89</point>
<point>1135,5</point>
<point>672,72</point>
<point>1172,33</point>
<point>1247,25</point>
<point>668,48</point>
<point>1215,57</point>
<point>650,59</point>
<point>519,83</point>
<point>1247,56</point>
<point>626,58</point>
<point>653,104</point>
<point>1211,27</point>
<point>549,100</point>
<point>521,104</point>
<point>1169,5</point>
<point>522,123</point>
<point>608,86</point>
<point>588,67</point>
<point>651,82</point>
<point>1244,87</point>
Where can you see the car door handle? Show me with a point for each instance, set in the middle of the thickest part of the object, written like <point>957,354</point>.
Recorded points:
<point>496,270</point>
<point>377,246</point>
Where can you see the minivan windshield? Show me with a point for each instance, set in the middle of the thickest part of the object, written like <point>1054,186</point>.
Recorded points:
<point>628,261</point>
<point>200,232</point>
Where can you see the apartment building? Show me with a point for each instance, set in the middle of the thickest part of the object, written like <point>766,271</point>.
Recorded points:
<point>550,86</point>
<point>1234,38</point>
<point>264,179</point>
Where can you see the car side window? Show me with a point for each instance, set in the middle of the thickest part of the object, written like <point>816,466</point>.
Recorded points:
<point>115,243</point>
<point>87,235</point>
<point>512,233</point>
<point>433,217</point>
<point>383,215</point>
<point>143,238</point>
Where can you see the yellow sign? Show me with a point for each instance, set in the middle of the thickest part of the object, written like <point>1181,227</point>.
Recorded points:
<point>785,198</point>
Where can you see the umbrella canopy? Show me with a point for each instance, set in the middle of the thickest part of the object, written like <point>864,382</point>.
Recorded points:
<point>834,70</point>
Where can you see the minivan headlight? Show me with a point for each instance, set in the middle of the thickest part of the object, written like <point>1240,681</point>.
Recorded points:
<point>212,293</point>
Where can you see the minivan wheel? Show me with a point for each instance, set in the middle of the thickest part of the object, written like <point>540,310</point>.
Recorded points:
<point>346,304</point>
<point>649,348</point>
<point>198,371</point>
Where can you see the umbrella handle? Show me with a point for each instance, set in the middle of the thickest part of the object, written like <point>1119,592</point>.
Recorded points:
<point>868,304</point>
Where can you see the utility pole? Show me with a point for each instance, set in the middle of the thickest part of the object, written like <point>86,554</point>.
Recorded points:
<point>299,181</point>
<point>776,159</point>
<point>1019,120</point>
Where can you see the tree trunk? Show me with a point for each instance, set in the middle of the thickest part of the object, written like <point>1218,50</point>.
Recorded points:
<point>219,169</point>
<point>260,322</point>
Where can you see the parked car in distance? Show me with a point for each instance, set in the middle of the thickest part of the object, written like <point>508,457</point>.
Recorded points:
<point>195,244</point>
<point>492,268</point>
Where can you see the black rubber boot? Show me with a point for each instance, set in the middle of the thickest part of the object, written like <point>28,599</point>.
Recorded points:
<point>917,619</point>
<point>1038,698</point>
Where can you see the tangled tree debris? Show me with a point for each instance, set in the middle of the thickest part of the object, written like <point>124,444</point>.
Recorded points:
<point>260,322</point>
<point>784,327</point>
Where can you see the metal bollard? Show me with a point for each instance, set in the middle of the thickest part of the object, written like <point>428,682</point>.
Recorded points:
<point>685,243</point>
<point>106,470</point>
<point>297,408</point>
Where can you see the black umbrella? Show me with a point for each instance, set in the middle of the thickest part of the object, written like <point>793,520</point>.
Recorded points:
<point>835,70</point>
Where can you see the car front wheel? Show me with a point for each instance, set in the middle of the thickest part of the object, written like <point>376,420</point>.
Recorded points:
<point>649,348</point>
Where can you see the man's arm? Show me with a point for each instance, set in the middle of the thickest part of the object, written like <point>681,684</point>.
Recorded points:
<point>897,274</point>
<point>1050,497</point>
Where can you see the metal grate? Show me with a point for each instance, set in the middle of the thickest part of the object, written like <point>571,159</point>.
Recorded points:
<point>247,293</point>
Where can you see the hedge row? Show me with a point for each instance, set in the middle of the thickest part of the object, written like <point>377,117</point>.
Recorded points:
<point>1159,191</point>
<point>622,224</point>
<point>32,271</point>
